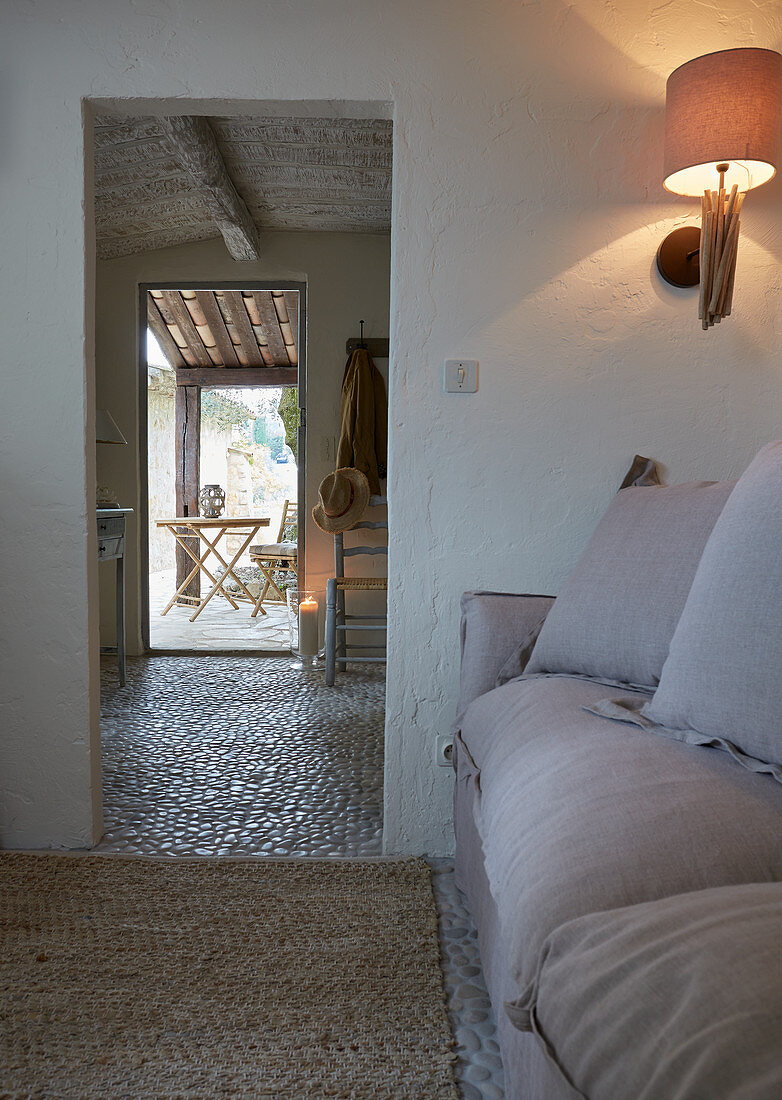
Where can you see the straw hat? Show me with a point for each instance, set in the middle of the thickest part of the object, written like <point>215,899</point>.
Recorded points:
<point>344,496</point>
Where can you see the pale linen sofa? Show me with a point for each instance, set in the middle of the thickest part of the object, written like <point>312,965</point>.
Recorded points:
<point>618,802</point>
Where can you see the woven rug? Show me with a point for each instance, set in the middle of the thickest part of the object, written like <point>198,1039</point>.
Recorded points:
<point>220,978</point>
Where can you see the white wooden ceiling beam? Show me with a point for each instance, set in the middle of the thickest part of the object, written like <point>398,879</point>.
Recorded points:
<point>195,147</point>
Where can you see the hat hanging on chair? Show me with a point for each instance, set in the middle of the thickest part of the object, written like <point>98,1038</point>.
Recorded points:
<point>344,496</point>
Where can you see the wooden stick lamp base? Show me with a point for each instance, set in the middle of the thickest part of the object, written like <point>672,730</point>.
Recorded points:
<point>689,256</point>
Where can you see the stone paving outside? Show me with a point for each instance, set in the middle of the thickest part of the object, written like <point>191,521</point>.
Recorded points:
<point>243,756</point>
<point>218,627</point>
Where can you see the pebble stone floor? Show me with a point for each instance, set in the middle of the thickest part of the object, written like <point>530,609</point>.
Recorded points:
<point>242,756</point>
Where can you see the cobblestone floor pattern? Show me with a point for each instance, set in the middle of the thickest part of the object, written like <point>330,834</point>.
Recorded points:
<point>244,756</point>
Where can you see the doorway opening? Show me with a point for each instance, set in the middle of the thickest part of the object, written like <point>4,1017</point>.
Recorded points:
<point>236,755</point>
<point>223,373</point>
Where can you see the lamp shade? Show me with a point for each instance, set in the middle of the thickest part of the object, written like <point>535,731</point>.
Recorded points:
<point>723,108</point>
<point>106,430</point>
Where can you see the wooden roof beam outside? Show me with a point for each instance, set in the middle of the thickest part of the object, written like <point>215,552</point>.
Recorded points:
<point>214,318</point>
<point>168,344</point>
<point>286,329</point>
<point>292,305</point>
<point>237,377</point>
<point>174,311</point>
<point>271,326</point>
<point>195,147</point>
<point>234,303</point>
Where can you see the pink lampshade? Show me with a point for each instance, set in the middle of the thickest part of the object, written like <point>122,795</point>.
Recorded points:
<point>724,107</point>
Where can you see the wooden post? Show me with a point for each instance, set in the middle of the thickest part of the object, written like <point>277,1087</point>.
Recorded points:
<point>187,458</point>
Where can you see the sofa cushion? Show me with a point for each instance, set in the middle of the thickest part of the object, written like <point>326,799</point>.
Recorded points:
<point>631,709</point>
<point>671,1000</point>
<point>616,614</point>
<point>577,814</point>
<point>722,676</point>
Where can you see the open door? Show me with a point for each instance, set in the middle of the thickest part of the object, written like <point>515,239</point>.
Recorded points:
<point>224,379</point>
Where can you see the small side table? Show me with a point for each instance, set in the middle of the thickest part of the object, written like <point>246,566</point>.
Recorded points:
<point>183,526</point>
<point>111,547</point>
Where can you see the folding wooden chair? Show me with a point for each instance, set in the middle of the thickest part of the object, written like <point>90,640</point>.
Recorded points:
<point>280,557</point>
<point>339,651</point>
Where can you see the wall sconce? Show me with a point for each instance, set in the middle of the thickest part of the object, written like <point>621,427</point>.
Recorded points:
<point>723,113</point>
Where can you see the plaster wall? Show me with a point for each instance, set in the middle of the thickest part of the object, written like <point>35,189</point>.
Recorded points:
<point>215,442</point>
<point>527,210</point>
<point>347,277</point>
<point>214,453</point>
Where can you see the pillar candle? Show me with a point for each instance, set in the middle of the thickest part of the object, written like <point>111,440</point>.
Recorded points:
<point>308,627</point>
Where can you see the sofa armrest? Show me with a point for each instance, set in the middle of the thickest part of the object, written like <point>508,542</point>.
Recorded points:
<point>498,632</point>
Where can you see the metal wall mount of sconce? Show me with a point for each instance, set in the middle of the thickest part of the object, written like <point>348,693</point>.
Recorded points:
<point>723,113</point>
<point>678,257</point>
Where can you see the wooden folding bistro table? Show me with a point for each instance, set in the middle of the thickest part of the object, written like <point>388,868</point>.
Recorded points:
<point>184,528</point>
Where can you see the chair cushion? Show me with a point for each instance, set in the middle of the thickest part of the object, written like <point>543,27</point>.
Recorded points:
<point>672,1000</point>
<point>273,550</point>
<point>577,814</point>
<point>722,675</point>
<point>616,614</point>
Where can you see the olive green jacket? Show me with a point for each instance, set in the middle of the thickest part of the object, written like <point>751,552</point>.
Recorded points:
<point>363,437</point>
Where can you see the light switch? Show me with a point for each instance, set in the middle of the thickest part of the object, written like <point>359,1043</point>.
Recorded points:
<point>460,376</point>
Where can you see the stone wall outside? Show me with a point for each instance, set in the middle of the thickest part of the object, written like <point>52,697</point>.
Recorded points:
<point>243,472</point>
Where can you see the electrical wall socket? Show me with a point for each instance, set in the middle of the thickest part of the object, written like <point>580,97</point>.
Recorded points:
<point>443,753</point>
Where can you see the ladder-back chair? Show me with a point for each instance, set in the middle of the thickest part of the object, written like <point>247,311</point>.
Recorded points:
<point>280,557</point>
<point>338,623</point>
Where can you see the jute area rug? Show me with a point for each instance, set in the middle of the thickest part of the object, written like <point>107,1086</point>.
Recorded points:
<point>220,978</point>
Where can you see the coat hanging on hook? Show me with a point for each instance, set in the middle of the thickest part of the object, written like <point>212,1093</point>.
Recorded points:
<point>363,437</point>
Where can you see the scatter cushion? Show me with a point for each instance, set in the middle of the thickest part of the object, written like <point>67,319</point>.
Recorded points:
<point>723,674</point>
<point>273,550</point>
<point>615,617</point>
<point>664,1000</point>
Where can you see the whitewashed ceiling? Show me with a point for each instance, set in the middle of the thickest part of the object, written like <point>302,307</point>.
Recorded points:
<point>291,173</point>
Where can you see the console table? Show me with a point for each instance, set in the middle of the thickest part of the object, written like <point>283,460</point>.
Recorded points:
<point>111,547</point>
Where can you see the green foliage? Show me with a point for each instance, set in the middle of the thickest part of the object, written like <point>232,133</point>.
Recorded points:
<point>223,410</point>
<point>288,409</point>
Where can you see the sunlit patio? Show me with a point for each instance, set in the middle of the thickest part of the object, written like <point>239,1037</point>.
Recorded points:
<point>218,627</point>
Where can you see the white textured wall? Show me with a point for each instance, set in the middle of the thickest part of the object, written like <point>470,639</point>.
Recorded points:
<point>527,210</point>
<point>347,277</point>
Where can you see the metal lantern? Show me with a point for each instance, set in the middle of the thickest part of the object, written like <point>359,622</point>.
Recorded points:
<point>211,501</point>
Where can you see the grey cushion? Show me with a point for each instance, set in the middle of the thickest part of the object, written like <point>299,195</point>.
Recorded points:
<point>616,614</point>
<point>723,675</point>
<point>498,632</point>
<point>577,814</point>
<point>679,999</point>
<point>273,550</point>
